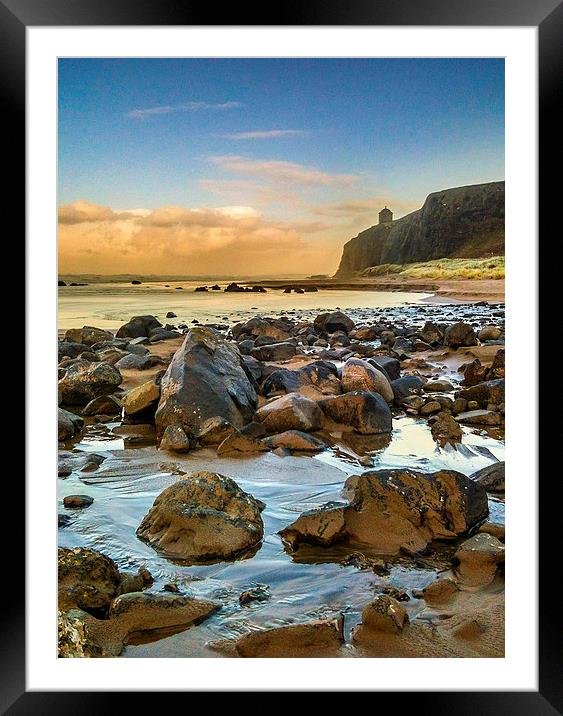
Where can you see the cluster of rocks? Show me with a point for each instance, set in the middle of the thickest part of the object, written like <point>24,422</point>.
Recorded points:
<point>99,606</point>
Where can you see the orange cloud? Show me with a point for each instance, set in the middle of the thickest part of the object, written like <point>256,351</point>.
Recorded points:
<point>178,240</point>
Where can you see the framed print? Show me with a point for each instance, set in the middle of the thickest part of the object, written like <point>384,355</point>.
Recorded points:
<point>290,257</point>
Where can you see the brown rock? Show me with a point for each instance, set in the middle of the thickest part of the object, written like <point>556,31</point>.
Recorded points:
<point>446,429</point>
<point>141,398</point>
<point>366,413</point>
<point>394,510</point>
<point>215,430</point>
<point>440,592</point>
<point>87,579</point>
<point>203,517</point>
<point>290,412</point>
<point>175,439</point>
<point>321,637</point>
<point>296,440</point>
<point>478,559</point>
<point>384,614</point>
<point>358,374</point>
<point>239,443</point>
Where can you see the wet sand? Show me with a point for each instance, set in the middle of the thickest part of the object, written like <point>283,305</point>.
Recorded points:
<point>465,290</point>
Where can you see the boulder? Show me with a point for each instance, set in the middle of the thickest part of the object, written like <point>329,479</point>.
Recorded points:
<point>391,367</point>
<point>73,639</point>
<point>429,408</point>
<point>460,334</point>
<point>162,334</point>
<point>491,391</point>
<point>70,349</point>
<point>431,333</point>
<point>236,442</point>
<point>157,611</point>
<point>275,328</point>
<point>274,351</point>
<point>132,361</point>
<point>489,333</point>
<point>491,477</point>
<point>445,429</point>
<point>142,398</point>
<point>358,374</point>
<point>215,430</point>
<point>295,440</point>
<point>479,417</point>
<point>320,637</point>
<point>496,371</point>
<point>440,592</point>
<point>474,373</point>
<point>314,380</point>
<point>68,424</point>
<point>87,579</point>
<point>138,327</point>
<point>83,382</point>
<point>366,413</point>
<point>394,510</point>
<point>406,386</point>
<point>478,559</point>
<point>205,379</point>
<point>290,412</point>
<point>104,405</point>
<point>384,613</point>
<point>174,439</point>
<point>333,321</point>
<point>77,502</point>
<point>203,517</point>
<point>438,386</point>
<point>366,333</point>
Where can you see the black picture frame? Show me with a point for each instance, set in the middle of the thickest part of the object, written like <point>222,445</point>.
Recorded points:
<point>547,16</point>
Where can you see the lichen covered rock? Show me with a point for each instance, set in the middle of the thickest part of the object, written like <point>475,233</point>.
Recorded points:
<point>203,517</point>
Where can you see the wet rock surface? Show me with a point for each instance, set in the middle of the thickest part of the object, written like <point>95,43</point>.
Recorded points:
<point>205,379</point>
<point>395,510</point>
<point>203,517</point>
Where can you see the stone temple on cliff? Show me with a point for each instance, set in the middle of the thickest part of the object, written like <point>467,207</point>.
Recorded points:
<point>385,216</point>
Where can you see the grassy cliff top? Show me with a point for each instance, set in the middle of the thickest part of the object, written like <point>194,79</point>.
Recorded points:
<point>484,268</point>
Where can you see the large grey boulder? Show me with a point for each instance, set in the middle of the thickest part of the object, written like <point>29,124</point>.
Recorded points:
<point>205,379</point>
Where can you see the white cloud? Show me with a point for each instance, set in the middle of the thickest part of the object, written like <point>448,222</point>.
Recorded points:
<point>280,171</point>
<point>184,107</point>
<point>266,134</point>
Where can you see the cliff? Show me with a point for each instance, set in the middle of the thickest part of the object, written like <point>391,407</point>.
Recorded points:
<point>465,222</point>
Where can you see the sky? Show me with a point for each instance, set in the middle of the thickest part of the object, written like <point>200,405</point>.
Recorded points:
<point>260,166</point>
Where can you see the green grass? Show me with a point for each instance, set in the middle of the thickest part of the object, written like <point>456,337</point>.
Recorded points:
<point>487,268</point>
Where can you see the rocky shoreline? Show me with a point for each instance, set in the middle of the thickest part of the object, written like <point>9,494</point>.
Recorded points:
<point>205,406</point>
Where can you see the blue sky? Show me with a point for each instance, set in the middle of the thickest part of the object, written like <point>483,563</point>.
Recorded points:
<point>295,140</point>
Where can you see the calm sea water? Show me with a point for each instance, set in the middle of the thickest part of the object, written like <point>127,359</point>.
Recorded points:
<point>109,305</point>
